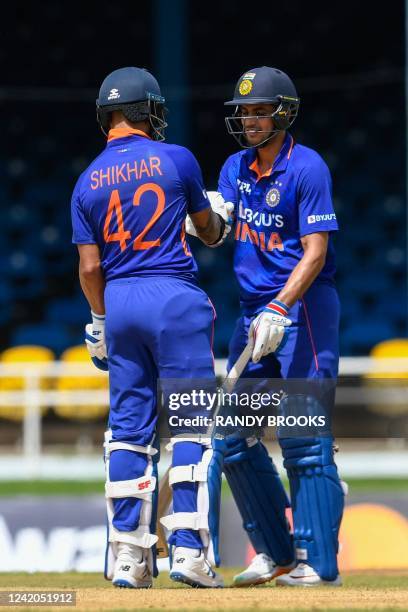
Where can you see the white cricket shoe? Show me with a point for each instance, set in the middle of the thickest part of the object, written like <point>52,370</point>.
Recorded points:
<point>304,576</point>
<point>131,570</point>
<point>191,567</point>
<point>262,569</point>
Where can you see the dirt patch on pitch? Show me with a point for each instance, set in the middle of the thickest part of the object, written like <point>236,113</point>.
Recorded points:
<point>239,599</point>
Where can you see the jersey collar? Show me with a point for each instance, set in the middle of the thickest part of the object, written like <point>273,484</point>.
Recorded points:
<point>116,133</point>
<point>280,162</point>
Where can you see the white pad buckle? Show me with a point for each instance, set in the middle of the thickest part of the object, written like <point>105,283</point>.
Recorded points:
<point>138,537</point>
<point>185,520</point>
<point>195,472</point>
<point>141,487</point>
<point>204,440</point>
<point>135,448</point>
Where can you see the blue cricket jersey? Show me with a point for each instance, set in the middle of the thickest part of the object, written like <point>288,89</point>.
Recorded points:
<point>132,202</point>
<point>273,211</point>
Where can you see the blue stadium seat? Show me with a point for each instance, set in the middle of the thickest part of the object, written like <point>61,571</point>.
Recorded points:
<point>68,311</point>
<point>53,336</point>
<point>361,336</point>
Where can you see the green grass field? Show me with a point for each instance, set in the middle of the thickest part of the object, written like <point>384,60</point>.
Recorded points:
<point>10,488</point>
<point>370,591</point>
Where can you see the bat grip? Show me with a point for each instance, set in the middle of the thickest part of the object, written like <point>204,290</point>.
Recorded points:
<point>238,367</point>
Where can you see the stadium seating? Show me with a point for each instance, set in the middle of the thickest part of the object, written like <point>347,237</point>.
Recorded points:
<point>392,381</point>
<point>50,334</point>
<point>74,383</point>
<point>38,357</point>
<point>391,349</point>
<point>356,127</point>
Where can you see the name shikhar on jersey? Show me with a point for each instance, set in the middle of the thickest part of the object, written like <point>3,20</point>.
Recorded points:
<point>126,172</point>
<point>132,202</point>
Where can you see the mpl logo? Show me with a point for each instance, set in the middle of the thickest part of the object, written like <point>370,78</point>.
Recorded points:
<point>114,94</point>
<point>316,218</point>
<point>244,187</point>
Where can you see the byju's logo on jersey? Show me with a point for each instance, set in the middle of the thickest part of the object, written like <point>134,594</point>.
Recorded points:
<point>317,218</point>
<point>114,94</point>
<point>273,197</point>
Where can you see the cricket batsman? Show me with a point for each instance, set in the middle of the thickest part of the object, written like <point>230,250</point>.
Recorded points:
<point>150,320</point>
<point>284,264</point>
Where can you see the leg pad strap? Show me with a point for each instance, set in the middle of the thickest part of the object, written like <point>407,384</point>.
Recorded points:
<point>142,488</point>
<point>188,473</point>
<point>185,520</point>
<point>138,537</point>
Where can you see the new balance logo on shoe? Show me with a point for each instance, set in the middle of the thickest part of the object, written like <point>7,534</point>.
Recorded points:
<point>179,560</point>
<point>124,568</point>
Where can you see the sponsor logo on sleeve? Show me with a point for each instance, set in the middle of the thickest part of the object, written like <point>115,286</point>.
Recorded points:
<point>317,218</point>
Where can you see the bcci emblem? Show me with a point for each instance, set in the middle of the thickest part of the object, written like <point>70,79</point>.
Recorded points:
<point>273,197</point>
<point>245,87</point>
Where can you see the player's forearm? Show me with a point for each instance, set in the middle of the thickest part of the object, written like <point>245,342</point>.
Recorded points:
<point>209,230</point>
<point>301,278</point>
<point>93,285</point>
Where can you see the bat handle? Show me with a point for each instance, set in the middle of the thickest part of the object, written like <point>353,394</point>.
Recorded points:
<point>238,367</point>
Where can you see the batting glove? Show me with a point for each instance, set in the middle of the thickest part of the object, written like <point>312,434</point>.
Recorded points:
<point>223,209</point>
<point>267,330</point>
<point>95,341</point>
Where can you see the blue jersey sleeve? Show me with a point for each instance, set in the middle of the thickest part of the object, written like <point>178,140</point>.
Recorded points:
<point>192,179</point>
<point>81,228</point>
<point>316,212</point>
<point>227,183</point>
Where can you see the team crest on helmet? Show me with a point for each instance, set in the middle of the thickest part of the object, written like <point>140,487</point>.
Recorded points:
<point>245,87</point>
<point>273,197</point>
<point>114,94</point>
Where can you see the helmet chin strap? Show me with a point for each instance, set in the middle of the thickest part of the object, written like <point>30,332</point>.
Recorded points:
<point>263,144</point>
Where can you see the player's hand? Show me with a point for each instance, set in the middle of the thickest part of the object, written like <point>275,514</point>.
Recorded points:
<point>268,330</point>
<point>95,341</point>
<point>222,208</point>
